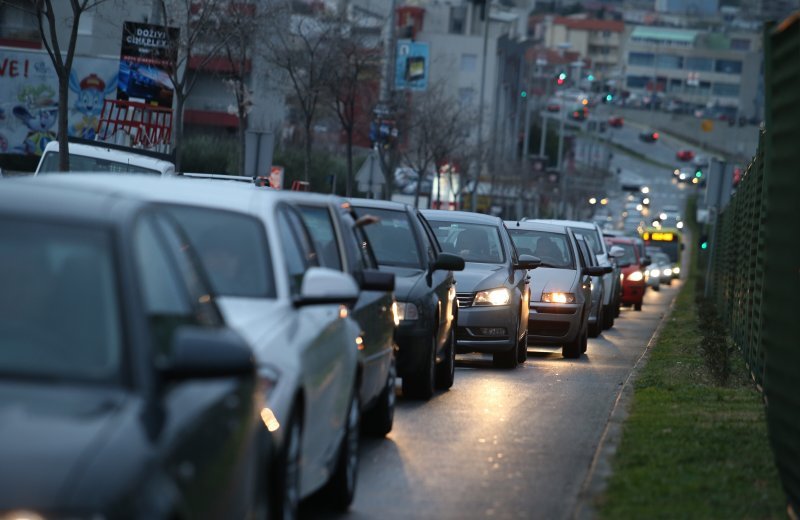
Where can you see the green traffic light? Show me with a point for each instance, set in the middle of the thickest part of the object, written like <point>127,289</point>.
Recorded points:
<point>609,97</point>
<point>704,245</point>
<point>698,174</point>
<point>590,77</point>
<point>523,94</point>
<point>562,76</point>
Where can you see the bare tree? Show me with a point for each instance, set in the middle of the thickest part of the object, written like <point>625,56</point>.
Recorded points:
<point>300,46</point>
<point>61,56</point>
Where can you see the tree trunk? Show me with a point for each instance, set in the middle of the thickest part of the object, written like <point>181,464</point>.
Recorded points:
<point>177,129</point>
<point>63,122</point>
<point>307,151</point>
<point>349,178</point>
<point>242,131</point>
<point>418,190</point>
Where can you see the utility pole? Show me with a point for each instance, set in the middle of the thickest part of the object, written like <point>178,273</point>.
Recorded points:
<point>383,108</point>
<point>486,9</point>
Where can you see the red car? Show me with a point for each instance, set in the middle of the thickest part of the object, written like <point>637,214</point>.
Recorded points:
<point>685,155</point>
<point>615,121</point>
<point>632,265</point>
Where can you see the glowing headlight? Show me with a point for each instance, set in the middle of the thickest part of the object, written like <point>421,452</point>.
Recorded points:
<point>667,272</point>
<point>558,297</point>
<point>406,311</point>
<point>21,515</point>
<point>679,225</point>
<point>676,270</point>
<point>636,276</point>
<point>492,297</point>
<point>655,273</point>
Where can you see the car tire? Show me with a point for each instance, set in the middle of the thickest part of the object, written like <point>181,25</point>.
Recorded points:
<point>584,341</point>
<point>656,288</point>
<point>608,317</point>
<point>507,359</point>
<point>597,327</point>
<point>574,348</point>
<point>378,421</point>
<point>341,487</point>
<point>522,349</point>
<point>286,473</point>
<point>420,382</point>
<point>446,370</point>
<point>637,306</point>
<point>617,305</point>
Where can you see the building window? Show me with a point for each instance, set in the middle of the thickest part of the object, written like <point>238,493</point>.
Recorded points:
<point>466,96</point>
<point>725,89</point>
<point>638,81</point>
<point>458,18</point>
<point>606,34</point>
<point>728,66</point>
<point>699,63</point>
<point>86,24</point>
<point>668,61</point>
<point>641,59</point>
<point>18,25</point>
<point>675,85</point>
<point>469,62</point>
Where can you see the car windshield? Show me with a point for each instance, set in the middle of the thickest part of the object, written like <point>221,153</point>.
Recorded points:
<point>630,254</point>
<point>661,259</point>
<point>233,250</point>
<point>59,307</point>
<point>392,239</point>
<point>592,239</point>
<point>551,248</point>
<point>85,164</point>
<point>473,242</point>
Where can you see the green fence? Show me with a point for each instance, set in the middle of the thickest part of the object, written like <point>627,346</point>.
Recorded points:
<point>755,275</point>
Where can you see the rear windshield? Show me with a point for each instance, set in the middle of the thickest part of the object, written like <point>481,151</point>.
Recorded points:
<point>592,239</point>
<point>551,248</point>
<point>59,306</point>
<point>392,239</point>
<point>82,163</point>
<point>473,242</point>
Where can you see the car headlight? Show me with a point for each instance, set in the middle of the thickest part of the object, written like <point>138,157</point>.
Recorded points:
<point>679,225</point>
<point>655,272</point>
<point>676,270</point>
<point>667,272</point>
<point>636,276</point>
<point>492,297</point>
<point>558,297</point>
<point>406,311</point>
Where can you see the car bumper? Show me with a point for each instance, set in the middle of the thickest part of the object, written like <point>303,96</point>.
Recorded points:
<point>633,293</point>
<point>553,324</point>
<point>471,333</point>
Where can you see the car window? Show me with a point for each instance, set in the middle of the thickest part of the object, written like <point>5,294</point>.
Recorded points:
<point>366,256</point>
<point>59,306</point>
<point>85,164</point>
<point>473,242</point>
<point>592,239</point>
<point>551,248</point>
<point>630,254</point>
<point>299,253</point>
<point>589,260</point>
<point>320,227</point>
<point>392,238</point>
<point>161,290</point>
<point>232,248</point>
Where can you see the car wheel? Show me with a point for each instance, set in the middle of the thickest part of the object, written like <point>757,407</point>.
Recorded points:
<point>608,317</point>
<point>656,288</point>
<point>507,359</point>
<point>574,348</point>
<point>446,370</point>
<point>597,327</point>
<point>522,349</point>
<point>341,488</point>
<point>419,383</point>
<point>287,472</point>
<point>584,341</point>
<point>637,306</point>
<point>379,420</point>
<point>617,305</point>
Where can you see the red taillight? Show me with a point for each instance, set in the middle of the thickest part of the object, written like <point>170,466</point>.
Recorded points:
<point>655,135</point>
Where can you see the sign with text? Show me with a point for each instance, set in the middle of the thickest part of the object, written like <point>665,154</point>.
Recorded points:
<point>148,57</point>
<point>411,68</point>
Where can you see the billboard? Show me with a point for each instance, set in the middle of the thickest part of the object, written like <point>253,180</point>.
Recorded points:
<point>148,57</point>
<point>411,68</point>
<point>29,98</point>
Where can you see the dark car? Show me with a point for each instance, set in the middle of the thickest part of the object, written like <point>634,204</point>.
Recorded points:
<point>123,393</point>
<point>561,296</point>
<point>342,245</point>
<point>616,121</point>
<point>426,308</point>
<point>649,136</point>
<point>493,293</point>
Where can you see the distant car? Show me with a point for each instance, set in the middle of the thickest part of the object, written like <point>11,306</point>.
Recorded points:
<point>553,105</point>
<point>99,157</point>
<point>664,266</point>
<point>633,267</point>
<point>616,121</point>
<point>404,244</point>
<point>649,137</point>
<point>124,393</point>
<point>492,290</point>
<point>561,295</point>
<point>684,155</point>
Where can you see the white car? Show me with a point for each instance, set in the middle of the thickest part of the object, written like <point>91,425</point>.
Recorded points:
<point>105,158</point>
<point>270,290</point>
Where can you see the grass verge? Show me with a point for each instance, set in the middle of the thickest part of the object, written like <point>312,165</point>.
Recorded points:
<point>691,448</point>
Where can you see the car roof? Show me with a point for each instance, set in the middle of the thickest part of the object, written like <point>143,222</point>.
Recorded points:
<point>99,151</point>
<point>621,240</point>
<point>568,223</point>
<point>536,226</point>
<point>461,216</point>
<point>379,204</point>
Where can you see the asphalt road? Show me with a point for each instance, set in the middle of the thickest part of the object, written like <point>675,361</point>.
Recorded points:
<point>502,443</point>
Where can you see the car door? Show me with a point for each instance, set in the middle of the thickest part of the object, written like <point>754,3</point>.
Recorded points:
<point>585,281</point>
<point>327,353</point>
<point>520,280</point>
<point>442,283</point>
<point>207,437</point>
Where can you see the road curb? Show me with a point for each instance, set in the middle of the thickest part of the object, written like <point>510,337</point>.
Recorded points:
<point>600,468</point>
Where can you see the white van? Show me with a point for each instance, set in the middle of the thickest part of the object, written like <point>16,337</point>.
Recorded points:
<point>102,157</point>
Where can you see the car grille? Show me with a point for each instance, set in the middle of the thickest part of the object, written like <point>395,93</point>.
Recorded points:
<point>552,309</point>
<point>465,299</point>
<point>548,328</point>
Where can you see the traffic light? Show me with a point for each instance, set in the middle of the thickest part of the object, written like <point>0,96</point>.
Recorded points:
<point>703,242</point>
<point>609,98</point>
<point>590,77</point>
<point>523,94</point>
<point>698,173</point>
<point>561,78</point>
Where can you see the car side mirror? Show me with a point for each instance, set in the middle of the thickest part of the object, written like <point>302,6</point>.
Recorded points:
<point>323,286</point>
<point>528,262</point>
<point>207,352</point>
<point>616,252</point>
<point>448,262</point>
<point>647,261</point>
<point>374,280</point>
<point>595,270</point>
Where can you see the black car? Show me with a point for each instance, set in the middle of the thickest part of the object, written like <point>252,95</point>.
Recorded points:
<point>649,136</point>
<point>123,393</point>
<point>493,293</point>
<point>426,308</point>
<point>343,245</point>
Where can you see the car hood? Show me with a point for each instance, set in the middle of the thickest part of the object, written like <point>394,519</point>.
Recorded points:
<point>478,277</point>
<point>548,279</point>
<point>49,433</point>
<point>406,280</point>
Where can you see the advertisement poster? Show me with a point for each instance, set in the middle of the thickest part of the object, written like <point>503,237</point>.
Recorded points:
<point>148,56</point>
<point>29,98</point>
<point>413,59</point>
